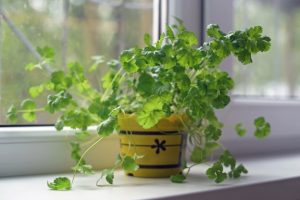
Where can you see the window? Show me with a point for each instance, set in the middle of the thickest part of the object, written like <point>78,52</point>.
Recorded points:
<point>17,149</point>
<point>76,29</point>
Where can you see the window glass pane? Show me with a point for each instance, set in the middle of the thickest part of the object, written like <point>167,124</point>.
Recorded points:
<point>276,73</point>
<point>273,74</point>
<point>76,29</point>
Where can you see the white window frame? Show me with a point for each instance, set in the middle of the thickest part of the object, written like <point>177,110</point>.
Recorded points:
<point>37,150</point>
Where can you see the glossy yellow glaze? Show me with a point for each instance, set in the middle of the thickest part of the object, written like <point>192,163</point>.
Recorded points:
<point>172,123</point>
<point>163,153</point>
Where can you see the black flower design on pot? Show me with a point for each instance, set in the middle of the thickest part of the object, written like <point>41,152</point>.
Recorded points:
<point>159,146</point>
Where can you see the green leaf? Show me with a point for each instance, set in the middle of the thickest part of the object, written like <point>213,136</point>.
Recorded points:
<point>213,30</point>
<point>255,31</point>
<point>198,155</point>
<point>101,108</point>
<point>11,114</point>
<point>221,101</point>
<point>227,159</point>
<point>129,164</point>
<point>84,169</point>
<point>183,81</point>
<point>170,33</point>
<point>240,130</point>
<point>60,81</point>
<point>160,41</point>
<point>46,52</point>
<point>168,50</point>
<point>28,106</point>
<point>263,128</point>
<point>31,66</point>
<point>152,57</point>
<point>77,118</point>
<point>58,101</point>
<point>245,57</point>
<point>148,119</point>
<point>145,84</point>
<point>76,72</point>
<point>151,112</point>
<point>126,56</point>
<point>108,174</point>
<point>212,133</point>
<point>147,39</point>
<point>128,62</point>
<point>57,77</point>
<point>189,38</point>
<point>260,121</point>
<point>107,126</point>
<point>82,135</point>
<point>196,107</point>
<point>169,63</point>
<point>179,178</point>
<point>35,91</point>
<point>59,124</point>
<point>238,171</point>
<point>60,183</point>
<point>130,67</point>
<point>107,79</point>
<point>184,58</point>
<point>216,172</point>
<point>153,103</point>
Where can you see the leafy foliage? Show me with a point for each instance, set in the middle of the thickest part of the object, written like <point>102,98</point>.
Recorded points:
<point>263,128</point>
<point>218,172</point>
<point>177,178</point>
<point>60,183</point>
<point>240,130</point>
<point>28,105</point>
<point>171,76</point>
<point>126,162</point>
<point>11,114</point>
<point>129,164</point>
<point>109,175</point>
<point>107,126</point>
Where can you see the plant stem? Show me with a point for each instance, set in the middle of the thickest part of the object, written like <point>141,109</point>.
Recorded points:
<point>82,156</point>
<point>189,168</point>
<point>109,87</point>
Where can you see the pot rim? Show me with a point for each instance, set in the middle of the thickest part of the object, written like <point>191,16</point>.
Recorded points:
<point>173,123</point>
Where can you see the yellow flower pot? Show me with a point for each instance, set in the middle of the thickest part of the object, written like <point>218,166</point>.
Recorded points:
<point>162,146</point>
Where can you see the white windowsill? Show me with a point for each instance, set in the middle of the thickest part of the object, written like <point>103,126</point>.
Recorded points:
<point>269,178</point>
<point>43,150</point>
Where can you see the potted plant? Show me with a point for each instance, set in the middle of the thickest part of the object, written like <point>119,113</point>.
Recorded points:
<point>157,97</point>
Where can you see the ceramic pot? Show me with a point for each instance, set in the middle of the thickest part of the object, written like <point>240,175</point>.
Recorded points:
<point>162,146</point>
